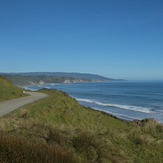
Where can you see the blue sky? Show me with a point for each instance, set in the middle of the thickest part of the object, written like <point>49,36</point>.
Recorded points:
<point>114,38</point>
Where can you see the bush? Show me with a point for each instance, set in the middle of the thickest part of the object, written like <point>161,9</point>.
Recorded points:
<point>88,146</point>
<point>18,150</point>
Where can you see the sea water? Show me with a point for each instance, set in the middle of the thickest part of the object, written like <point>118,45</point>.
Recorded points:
<point>126,100</point>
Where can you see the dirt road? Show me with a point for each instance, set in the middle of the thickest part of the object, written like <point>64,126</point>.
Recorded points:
<point>10,105</point>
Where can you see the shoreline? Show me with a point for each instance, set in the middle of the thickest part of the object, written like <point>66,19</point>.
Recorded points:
<point>118,114</point>
<point>65,82</point>
<point>115,117</point>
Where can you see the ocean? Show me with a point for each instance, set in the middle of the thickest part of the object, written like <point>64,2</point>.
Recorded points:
<point>127,100</point>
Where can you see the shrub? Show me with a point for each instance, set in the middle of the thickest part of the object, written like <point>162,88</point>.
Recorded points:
<point>88,146</point>
<point>18,150</point>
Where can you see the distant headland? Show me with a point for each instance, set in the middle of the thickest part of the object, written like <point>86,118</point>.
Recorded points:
<point>35,78</point>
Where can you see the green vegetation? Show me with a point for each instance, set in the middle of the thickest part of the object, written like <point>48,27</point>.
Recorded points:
<point>18,149</point>
<point>8,90</point>
<point>58,129</point>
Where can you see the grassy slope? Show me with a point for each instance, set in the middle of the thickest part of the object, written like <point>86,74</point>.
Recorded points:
<point>78,134</point>
<point>8,90</point>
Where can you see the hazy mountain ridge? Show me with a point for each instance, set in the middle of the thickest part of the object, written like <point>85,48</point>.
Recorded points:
<point>40,80</point>
<point>35,78</point>
<point>65,74</point>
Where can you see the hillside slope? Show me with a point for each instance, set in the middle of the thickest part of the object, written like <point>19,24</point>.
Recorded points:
<point>8,90</point>
<point>59,129</point>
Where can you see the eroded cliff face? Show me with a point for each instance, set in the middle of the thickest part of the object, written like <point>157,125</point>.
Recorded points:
<point>76,81</point>
<point>41,82</point>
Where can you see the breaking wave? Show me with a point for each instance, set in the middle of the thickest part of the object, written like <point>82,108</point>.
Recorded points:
<point>127,107</point>
<point>119,115</point>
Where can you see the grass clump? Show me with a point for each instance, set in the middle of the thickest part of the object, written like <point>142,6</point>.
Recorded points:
<point>87,145</point>
<point>18,150</point>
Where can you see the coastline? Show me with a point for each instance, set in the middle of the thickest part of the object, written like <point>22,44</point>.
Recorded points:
<point>112,100</point>
<point>60,121</point>
<point>121,119</point>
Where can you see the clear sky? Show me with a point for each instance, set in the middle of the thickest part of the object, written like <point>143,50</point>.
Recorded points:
<point>114,38</point>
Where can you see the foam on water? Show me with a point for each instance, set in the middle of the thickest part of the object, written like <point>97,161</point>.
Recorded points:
<point>119,115</point>
<point>127,107</point>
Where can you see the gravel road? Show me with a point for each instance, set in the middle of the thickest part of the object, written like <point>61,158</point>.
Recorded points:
<point>10,105</point>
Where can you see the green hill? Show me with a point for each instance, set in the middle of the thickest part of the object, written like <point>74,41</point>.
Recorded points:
<point>58,129</point>
<point>8,90</point>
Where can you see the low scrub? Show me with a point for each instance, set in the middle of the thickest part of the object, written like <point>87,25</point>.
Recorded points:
<point>20,150</point>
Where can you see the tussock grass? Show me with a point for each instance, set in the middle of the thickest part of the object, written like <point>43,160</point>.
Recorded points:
<point>18,150</point>
<point>87,145</point>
